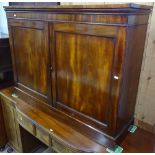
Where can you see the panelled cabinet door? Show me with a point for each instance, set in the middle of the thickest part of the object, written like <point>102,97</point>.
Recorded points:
<point>29,41</point>
<point>87,65</point>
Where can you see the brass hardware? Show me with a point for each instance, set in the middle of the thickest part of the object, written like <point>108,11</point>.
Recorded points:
<point>51,130</point>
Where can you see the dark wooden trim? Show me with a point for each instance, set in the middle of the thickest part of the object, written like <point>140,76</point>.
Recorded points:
<point>123,20</point>
<point>126,8</point>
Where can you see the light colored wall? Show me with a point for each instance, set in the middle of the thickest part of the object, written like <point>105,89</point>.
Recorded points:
<point>145,108</point>
<point>3,22</point>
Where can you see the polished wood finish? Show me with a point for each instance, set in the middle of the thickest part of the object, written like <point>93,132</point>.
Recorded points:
<point>10,123</point>
<point>34,53</point>
<point>25,123</point>
<point>50,121</point>
<point>79,60</point>
<point>58,146</point>
<point>17,137</point>
<point>115,7</point>
<point>90,75</point>
<point>139,142</point>
<point>131,73</point>
<point>43,136</point>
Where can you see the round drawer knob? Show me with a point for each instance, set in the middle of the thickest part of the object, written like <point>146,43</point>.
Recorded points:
<point>51,130</point>
<point>14,15</point>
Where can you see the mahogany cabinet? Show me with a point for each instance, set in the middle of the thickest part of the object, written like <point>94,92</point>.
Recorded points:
<point>83,61</point>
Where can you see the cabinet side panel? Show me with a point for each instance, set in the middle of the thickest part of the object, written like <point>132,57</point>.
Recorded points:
<point>133,60</point>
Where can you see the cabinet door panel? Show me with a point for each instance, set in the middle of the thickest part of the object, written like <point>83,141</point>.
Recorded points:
<point>30,56</point>
<point>84,66</point>
<point>79,85</point>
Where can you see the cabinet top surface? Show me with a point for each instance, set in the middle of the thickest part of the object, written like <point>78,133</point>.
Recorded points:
<point>84,7</point>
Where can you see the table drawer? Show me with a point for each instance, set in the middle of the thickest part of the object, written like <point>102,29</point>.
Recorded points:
<point>60,147</point>
<point>43,135</point>
<point>25,123</point>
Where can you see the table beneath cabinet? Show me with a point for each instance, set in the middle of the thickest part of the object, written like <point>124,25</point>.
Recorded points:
<point>41,121</point>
